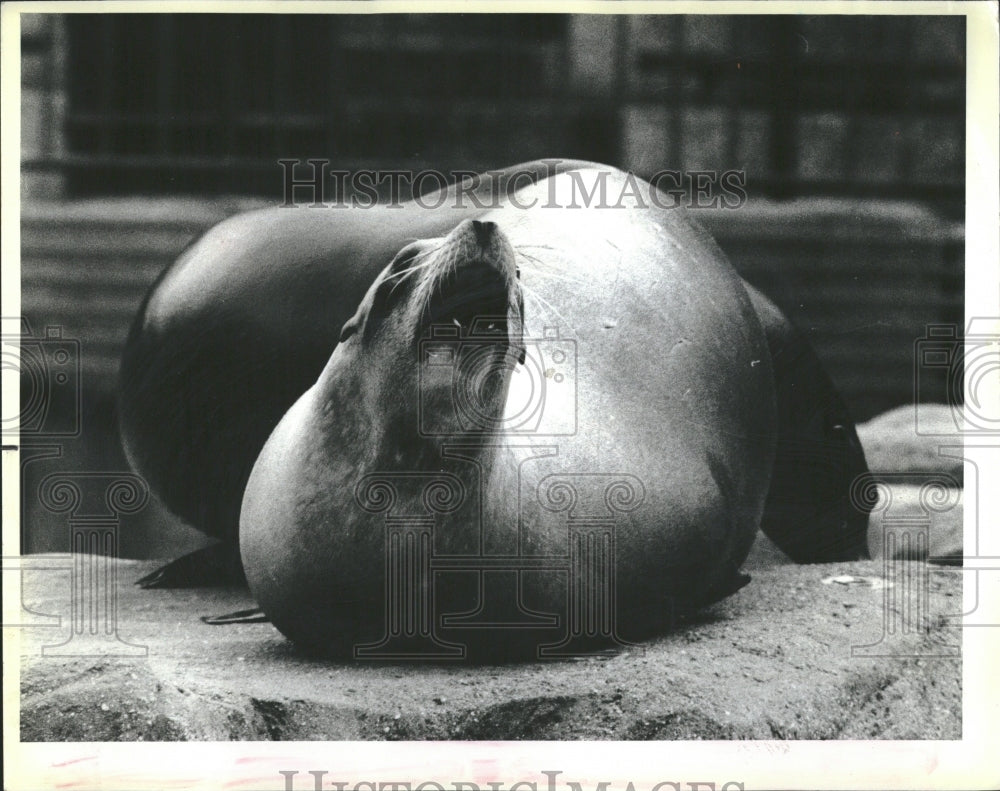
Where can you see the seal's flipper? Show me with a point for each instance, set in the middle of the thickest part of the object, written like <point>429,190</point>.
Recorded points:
<point>255,615</point>
<point>809,513</point>
<point>682,611</point>
<point>729,585</point>
<point>214,566</point>
<point>735,583</point>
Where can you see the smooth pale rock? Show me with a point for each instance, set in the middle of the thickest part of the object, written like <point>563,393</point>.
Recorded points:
<point>909,527</point>
<point>908,439</point>
<point>902,447</point>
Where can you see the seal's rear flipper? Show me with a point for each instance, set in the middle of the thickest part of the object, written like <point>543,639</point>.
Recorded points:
<point>735,583</point>
<point>214,566</point>
<point>809,513</point>
<point>255,615</point>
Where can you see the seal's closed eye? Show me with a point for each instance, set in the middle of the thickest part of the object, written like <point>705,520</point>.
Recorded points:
<point>349,329</point>
<point>394,274</point>
<point>405,258</point>
<point>395,283</point>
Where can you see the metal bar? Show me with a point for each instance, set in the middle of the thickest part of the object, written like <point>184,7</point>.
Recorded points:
<point>675,152</point>
<point>621,87</point>
<point>278,72</point>
<point>107,77</point>
<point>335,65</point>
<point>165,61</point>
<point>230,105</point>
<point>782,153</point>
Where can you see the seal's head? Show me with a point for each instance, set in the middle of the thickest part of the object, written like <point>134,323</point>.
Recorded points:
<point>314,554</point>
<point>433,343</point>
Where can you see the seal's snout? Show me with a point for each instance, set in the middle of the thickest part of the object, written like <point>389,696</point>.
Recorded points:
<point>484,232</point>
<point>477,242</point>
<point>473,278</point>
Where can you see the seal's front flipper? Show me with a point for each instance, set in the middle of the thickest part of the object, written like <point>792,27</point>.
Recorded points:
<point>684,610</point>
<point>256,615</point>
<point>729,585</point>
<point>737,582</point>
<point>214,566</point>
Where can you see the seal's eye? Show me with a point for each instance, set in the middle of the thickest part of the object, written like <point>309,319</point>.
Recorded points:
<point>395,281</point>
<point>404,259</point>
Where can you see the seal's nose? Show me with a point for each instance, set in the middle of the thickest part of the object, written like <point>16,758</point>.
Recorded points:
<point>484,231</point>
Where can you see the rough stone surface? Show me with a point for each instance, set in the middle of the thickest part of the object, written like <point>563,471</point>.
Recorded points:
<point>773,661</point>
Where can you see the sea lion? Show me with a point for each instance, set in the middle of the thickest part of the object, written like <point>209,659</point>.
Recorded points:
<point>658,391</point>
<point>243,323</point>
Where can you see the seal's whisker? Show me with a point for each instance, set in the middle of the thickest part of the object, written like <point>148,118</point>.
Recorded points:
<point>430,250</point>
<point>543,307</point>
<point>533,259</point>
<point>557,276</point>
<point>546,305</point>
<point>417,264</point>
<point>419,257</point>
<point>542,272</point>
<point>527,256</point>
<point>409,270</point>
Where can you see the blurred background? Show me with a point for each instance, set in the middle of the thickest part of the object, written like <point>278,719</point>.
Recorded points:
<point>140,131</point>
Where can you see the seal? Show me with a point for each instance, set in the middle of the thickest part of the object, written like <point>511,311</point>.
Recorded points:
<point>655,433</point>
<point>246,319</point>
